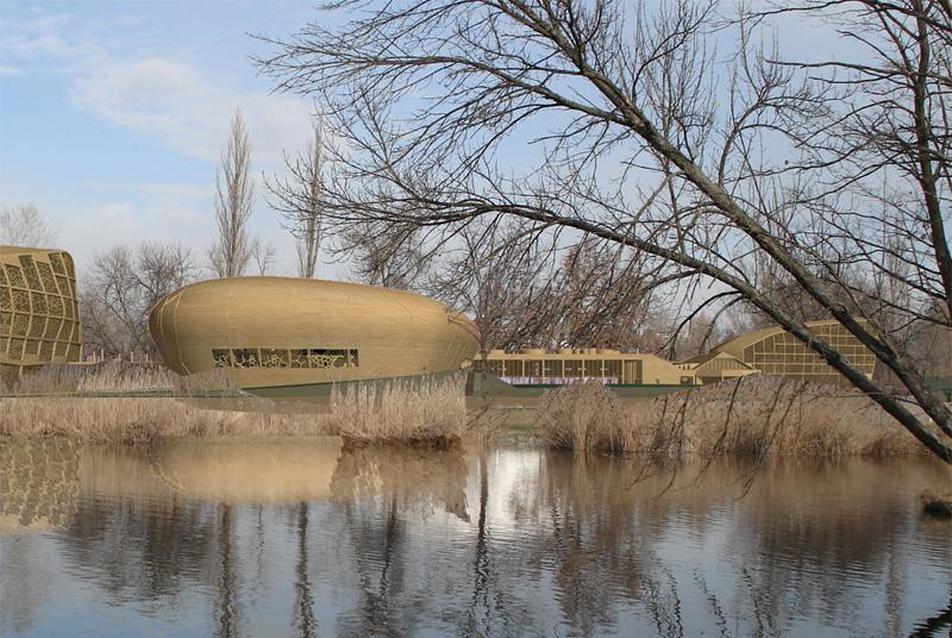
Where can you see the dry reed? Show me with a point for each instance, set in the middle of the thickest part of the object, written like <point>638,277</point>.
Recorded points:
<point>140,420</point>
<point>431,413</point>
<point>114,377</point>
<point>755,417</point>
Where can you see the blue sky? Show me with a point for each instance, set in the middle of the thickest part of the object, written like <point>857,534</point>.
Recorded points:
<point>112,115</point>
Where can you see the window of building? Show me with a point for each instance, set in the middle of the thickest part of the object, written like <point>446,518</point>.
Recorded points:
<point>313,358</point>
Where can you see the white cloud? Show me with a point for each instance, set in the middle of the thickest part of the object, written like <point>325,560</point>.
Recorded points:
<point>159,97</point>
<point>145,87</point>
<point>173,104</point>
<point>48,43</point>
<point>181,191</point>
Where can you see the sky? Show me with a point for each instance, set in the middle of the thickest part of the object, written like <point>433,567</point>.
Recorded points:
<point>113,116</point>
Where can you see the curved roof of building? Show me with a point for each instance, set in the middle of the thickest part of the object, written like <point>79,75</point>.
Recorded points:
<point>22,250</point>
<point>701,359</point>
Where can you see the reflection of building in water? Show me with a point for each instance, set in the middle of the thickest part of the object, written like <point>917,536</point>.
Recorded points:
<point>39,480</point>
<point>248,472</point>
<point>39,314</point>
<point>557,545</point>
<point>286,336</point>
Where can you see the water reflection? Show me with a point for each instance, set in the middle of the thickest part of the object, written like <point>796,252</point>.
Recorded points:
<point>306,538</point>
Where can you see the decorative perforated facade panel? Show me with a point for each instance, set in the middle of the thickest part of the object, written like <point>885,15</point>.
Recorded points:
<point>39,312</point>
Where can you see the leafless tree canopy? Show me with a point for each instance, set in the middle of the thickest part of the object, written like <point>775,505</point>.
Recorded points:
<point>525,294</point>
<point>24,226</point>
<point>231,253</point>
<point>678,132</point>
<point>297,198</point>
<point>120,289</point>
<point>263,254</point>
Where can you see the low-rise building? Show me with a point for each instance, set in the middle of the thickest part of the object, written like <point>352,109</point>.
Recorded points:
<point>561,367</point>
<point>713,367</point>
<point>775,351</point>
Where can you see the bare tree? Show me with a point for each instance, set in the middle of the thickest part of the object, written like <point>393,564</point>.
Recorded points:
<point>231,253</point>
<point>506,285</point>
<point>642,140</point>
<point>386,254</point>
<point>263,254</point>
<point>120,290</point>
<point>297,198</point>
<point>24,226</point>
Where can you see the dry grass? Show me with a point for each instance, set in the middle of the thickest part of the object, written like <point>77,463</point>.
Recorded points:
<point>114,377</point>
<point>756,417</point>
<point>432,414</point>
<point>140,420</point>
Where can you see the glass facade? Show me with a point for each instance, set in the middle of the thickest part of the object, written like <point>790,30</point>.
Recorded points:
<point>520,369</point>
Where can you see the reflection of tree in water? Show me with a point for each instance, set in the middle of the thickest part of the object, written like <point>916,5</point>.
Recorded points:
<point>488,602</point>
<point>806,528</point>
<point>304,618</point>
<point>933,626</point>
<point>548,543</point>
<point>225,601</point>
<point>603,549</point>
<point>143,549</point>
<point>382,486</point>
<point>786,548</point>
<point>419,481</point>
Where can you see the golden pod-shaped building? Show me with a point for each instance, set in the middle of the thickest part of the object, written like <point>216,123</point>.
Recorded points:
<point>286,336</point>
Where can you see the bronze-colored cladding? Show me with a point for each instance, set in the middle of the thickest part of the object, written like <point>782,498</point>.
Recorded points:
<point>282,331</point>
<point>775,351</point>
<point>39,314</point>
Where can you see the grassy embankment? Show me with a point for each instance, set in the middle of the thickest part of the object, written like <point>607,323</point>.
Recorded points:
<point>756,417</point>
<point>41,405</point>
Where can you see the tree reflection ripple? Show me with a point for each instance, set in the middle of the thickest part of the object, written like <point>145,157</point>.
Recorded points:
<point>311,538</point>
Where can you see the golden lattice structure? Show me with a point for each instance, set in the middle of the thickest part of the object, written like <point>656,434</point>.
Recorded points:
<point>39,313</point>
<point>775,351</point>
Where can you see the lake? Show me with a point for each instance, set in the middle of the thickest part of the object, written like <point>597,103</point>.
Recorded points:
<point>300,537</point>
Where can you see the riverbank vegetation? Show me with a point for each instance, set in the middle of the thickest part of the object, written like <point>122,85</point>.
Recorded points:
<point>156,403</point>
<point>757,417</point>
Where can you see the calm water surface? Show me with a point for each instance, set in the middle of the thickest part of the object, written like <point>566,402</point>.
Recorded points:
<point>302,538</point>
